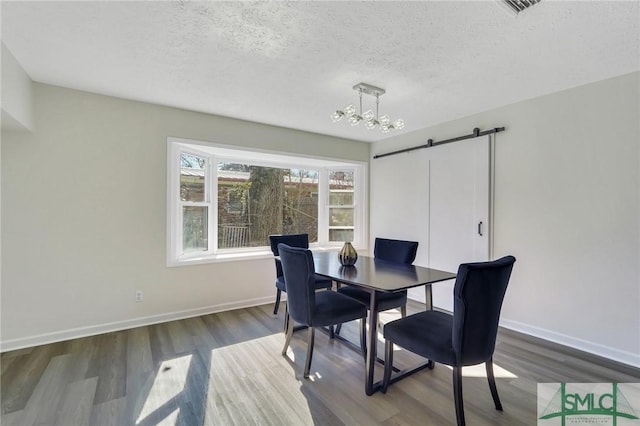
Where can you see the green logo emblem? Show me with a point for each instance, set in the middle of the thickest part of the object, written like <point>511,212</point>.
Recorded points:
<point>587,403</point>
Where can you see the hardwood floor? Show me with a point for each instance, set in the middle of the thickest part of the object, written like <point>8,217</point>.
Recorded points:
<point>226,368</point>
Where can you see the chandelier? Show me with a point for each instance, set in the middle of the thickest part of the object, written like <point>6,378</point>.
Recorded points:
<point>371,120</point>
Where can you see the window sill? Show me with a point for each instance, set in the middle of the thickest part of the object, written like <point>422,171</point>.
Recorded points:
<point>223,257</point>
<point>241,256</point>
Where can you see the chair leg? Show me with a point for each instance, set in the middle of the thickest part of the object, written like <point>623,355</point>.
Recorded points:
<point>492,385</point>
<point>363,338</point>
<point>277,305</point>
<point>457,395</point>
<point>307,364</point>
<point>403,310</point>
<point>289,329</point>
<point>388,364</point>
<point>287,318</point>
<point>338,328</point>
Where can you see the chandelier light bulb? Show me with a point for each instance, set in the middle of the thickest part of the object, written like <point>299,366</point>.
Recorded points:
<point>384,129</point>
<point>368,115</point>
<point>337,116</point>
<point>370,124</point>
<point>349,110</point>
<point>354,120</point>
<point>399,124</point>
<point>385,121</point>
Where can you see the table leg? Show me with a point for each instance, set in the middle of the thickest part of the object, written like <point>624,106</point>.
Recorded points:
<point>428,298</point>
<point>369,387</point>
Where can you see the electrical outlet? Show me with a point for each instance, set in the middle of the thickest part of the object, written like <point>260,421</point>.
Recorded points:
<point>139,296</point>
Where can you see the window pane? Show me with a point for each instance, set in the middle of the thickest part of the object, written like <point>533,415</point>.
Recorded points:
<point>191,177</point>
<point>341,217</point>
<point>340,198</point>
<point>255,202</point>
<point>341,235</point>
<point>194,229</point>
<point>341,179</point>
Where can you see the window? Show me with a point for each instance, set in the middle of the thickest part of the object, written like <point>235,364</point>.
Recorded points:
<point>341,205</point>
<point>224,202</point>
<point>194,202</point>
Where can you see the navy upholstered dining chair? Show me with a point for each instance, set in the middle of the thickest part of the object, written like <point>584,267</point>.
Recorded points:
<point>310,308</point>
<point>293,240</point>
<point>398,251</point>
<point>467,337</point>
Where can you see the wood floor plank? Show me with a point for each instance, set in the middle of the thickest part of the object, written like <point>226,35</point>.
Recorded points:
<point>138,387</point>
<point>200,333</point>
<point>110,365</point>
<point>15,418</point>
<point>160,343</point>
<point>139,357</point>
<point>304,406</point>
<point>229,390</point>
<point>46,397</point>
<point>140,371</point>
<point>6,361</point>
<point>181,339</point>
<point>109,413</point>
<point>21,377</point>
<point>77,403</point>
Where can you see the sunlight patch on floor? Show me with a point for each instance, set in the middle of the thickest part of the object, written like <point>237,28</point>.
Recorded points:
<point>480,371</point>
<point>168,383</point>
<point>237,390</point>
<point>290,354</point>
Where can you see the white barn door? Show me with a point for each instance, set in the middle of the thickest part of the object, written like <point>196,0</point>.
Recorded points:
<point>459,199</point>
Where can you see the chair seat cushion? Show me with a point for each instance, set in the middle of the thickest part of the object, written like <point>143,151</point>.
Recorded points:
<point>428,334</point>
<point>384,301</point>
<point>334,308</point>
<point>321,282</point>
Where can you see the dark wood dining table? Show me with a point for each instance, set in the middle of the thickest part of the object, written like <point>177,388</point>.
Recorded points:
<point>375,275</point>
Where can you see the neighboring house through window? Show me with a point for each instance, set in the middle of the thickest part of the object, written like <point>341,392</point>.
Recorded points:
<point>224,202</point>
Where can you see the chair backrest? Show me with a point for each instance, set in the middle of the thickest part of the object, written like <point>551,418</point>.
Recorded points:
<point>292,240</point>
<point>477,299</point>
<point>299,278</point>
<point>398,251</point>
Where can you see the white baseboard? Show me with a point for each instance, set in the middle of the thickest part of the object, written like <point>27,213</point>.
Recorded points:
<point>618,355</point>
<point>75,333</point>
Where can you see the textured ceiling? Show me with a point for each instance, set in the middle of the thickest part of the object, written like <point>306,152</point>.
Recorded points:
<point>292,64</point>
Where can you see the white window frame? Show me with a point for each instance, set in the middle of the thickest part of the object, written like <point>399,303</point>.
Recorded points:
<point>215,153</point>
<point>357,218</point>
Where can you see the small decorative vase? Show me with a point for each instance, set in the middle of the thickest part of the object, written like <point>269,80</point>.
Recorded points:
<point>347,255</point>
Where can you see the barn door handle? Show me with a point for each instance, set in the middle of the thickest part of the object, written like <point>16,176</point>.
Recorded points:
<point>480,228</point>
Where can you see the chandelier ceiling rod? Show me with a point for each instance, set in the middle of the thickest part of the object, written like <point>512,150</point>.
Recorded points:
<point>369,89</point>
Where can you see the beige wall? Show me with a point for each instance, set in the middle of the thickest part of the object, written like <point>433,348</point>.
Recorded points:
<point>15,93</point>
<point>567,205</point>
<point>84,217</point>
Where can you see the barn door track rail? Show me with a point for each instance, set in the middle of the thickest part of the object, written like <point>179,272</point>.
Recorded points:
<point>431,143</point>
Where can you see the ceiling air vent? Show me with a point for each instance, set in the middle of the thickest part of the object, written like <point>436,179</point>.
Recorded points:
<point>518,6</point>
